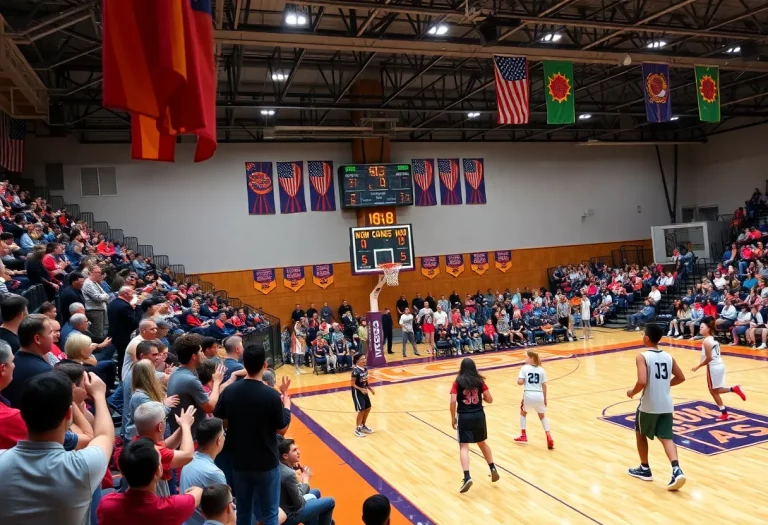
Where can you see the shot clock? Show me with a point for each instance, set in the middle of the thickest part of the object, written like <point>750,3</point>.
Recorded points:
<point>371,185</point>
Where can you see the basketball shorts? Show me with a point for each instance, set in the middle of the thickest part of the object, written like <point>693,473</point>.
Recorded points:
<point>654,425</point>
<point>533,402</point>
<point>716,376</point>
<point>361,401</point>
<point>471,427</point>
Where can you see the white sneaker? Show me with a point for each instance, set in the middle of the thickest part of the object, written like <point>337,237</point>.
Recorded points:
<point>679,337</point>
<point>677,334</point>
<point>762,347</point>
<point>637,329</point>
<point>669,334</point>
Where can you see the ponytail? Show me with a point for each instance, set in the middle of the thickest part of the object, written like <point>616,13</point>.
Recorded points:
<point>535,356</point>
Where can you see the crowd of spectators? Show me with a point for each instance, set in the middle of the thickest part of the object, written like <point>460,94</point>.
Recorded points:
<point>115,394</point>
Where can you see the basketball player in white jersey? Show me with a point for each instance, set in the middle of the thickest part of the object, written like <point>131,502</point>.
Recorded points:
<point>657,372</point>
<point>710,357</point>
<point>534,381</point>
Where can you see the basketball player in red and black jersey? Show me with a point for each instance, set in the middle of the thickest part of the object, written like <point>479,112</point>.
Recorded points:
<point>468,392</point>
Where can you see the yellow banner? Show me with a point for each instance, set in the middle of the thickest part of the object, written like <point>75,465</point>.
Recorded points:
<point>264,280</point>
<point>293,277</point>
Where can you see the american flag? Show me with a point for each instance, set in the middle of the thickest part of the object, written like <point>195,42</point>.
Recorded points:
<point>290,176</point>
<point>321,179</point>
<point>511,89</point>
<point>473,173</point>
<point>448,171</point>
<point>12,133</point>
<point>423,173</point>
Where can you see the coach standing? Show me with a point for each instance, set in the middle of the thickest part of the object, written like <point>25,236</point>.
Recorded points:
<point>386,324</point>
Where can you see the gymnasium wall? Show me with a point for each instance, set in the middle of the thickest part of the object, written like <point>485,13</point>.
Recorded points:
<point>197,214</point>
<point>528,269</point>
<point>726,170</point>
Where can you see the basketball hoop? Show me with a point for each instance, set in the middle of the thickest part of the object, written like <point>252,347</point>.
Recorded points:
<point>391,272</point>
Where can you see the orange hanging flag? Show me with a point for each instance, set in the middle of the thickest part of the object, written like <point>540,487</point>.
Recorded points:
<point>158,65</point>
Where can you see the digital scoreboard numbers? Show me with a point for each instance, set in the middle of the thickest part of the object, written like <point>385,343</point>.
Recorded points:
<point>371,246</point>
<point>367,185</point>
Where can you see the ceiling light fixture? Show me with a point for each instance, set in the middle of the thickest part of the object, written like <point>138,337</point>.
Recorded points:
<point>585,116</point>
<point>279,76</point>
<point>732,50</point>
<point>656,45</point>
<point>295,16</point>
<point>473,114</point>
<point>674,118</point>
<point>551,37</point>
<point>438,30</point>
<point>268,112</point>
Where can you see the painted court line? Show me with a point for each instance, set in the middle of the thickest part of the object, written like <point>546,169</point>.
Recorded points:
<point>400,502</point>
<point>504,469</point>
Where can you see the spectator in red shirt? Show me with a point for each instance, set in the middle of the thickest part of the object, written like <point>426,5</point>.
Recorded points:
<point>105,248</point>
<point>12,426</point>
<point>142,468</point>
<point>149,419</point>
<point>55,269</point>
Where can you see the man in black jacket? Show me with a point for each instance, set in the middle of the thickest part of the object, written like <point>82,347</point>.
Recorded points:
<point>386,324</point>
<point>123,320</point>
<point>71,294</point>
<point>401,305</point>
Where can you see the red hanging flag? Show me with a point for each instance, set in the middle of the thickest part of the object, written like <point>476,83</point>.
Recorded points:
<point>158,65</point>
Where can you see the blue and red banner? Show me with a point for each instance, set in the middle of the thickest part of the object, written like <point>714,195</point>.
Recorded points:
<point>290,178</point>
<point>656,85</point>
<point>261,192</point>
<point>454,264</point>
<point>474,178</point>
<point>264,280</point>
<point>322,275</point>
<point>430,266</point>
<point>450,190</point>
<point>321,194</point>
<point>424,176</point>
<point>478,262</point>
<point>503,260</point>
<point>293,277</point>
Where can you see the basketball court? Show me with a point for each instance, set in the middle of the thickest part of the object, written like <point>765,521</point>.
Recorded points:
<point>413,455</point>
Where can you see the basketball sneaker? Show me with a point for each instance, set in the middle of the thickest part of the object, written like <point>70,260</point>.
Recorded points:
<point>465,485</point>
<point>641,473</point>
<point>359,433</point>
<point>550,443</point>
<point>739,392</point>
<point>677,481</point>
<point>724,417</point>
<point>366,429</point>
<point>522,439</point>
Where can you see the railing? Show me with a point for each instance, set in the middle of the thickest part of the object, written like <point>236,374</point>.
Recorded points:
<point>102,227</point>
<point>145,250</point>
<point>117,236</point>
<point>87,218</point>
<point>132,243</point>
<point>35,296</point>
<point>73,210</point>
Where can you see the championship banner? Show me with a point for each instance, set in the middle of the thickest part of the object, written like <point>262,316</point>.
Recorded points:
<point>430,266</point>
<point>454,264</point>
<point>293,277</point>
<point>375,355</point>
<point>478,262</point>
<point>321,195</point>
<point>450,189</point>
<point>503,260</point>
<point>290,178</point>
<point>424,175</point>
<point>264,280</point>
<point>261,192</point>
<point>322,275</point>
<point>474,177</point>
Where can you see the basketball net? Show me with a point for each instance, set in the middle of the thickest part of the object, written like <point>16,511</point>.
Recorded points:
<point>389,278</point>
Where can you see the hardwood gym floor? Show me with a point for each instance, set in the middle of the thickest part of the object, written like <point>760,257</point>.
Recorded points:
<point>413,459</point>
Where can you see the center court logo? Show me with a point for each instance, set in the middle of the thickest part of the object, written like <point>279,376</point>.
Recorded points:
<point>697,428</point>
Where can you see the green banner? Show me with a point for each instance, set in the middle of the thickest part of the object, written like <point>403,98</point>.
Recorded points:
<point>559,92</point>
<point>708,93</point>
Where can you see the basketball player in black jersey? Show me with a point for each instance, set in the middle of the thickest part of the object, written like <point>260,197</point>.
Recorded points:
<point>360,390</point>
<point>468,392</point>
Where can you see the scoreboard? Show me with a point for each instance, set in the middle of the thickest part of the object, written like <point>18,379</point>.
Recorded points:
<point>371,246</point>
<point>366,185</point>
